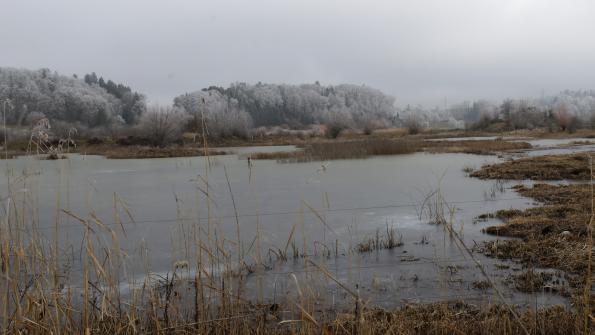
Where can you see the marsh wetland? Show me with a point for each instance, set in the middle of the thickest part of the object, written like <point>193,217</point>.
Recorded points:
<point>198,237</point>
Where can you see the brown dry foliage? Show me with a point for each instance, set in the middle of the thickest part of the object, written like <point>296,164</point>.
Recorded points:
<point>554,167</point>
<point>126,152</point>
<point>328,150</point>
<point>349,149</point>
<point>459,318</point>
<point>540,229</point>
<point>480,147</point>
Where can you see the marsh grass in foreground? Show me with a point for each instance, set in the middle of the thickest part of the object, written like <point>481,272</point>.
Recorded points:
<point>204,293</point>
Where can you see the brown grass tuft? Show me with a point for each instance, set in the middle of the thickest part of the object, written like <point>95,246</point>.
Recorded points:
<point>556,167</point>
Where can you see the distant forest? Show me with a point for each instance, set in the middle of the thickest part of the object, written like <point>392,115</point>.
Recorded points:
<point>243,105</point>
<point>90,102</point>
<point>95,102</point>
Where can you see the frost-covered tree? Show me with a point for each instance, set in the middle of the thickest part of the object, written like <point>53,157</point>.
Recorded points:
<point>62,98</point>
<point>162,125</point>
<point>297,106</point>
<point>133,103</point>
<point>214,113</point>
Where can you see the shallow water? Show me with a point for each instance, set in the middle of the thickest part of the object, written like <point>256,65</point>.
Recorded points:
<point>332,206</point>
<point>560,146</point>
<point>553,142</point>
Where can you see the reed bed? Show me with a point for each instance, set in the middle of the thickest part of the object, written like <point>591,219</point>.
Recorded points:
<point>329,150</point>
<point>363,148</point>
<point>477,147</point>
<point>135,151</point>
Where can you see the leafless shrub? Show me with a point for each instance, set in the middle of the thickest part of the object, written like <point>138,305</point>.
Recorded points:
<point>162,125</point>
<point>565,120</point>
<point>413,125</point>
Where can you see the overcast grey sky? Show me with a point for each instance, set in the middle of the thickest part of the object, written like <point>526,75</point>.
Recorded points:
<point>420,51</point>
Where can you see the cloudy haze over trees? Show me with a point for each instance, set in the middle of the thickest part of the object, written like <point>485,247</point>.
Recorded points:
<point>467,64</point>
<point>417,51</point>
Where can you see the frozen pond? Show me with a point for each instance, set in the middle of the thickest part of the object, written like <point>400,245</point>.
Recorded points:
<point>326,209</point>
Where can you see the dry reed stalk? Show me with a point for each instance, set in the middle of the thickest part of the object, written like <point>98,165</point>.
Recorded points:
<point>464,247</point>
<point>235,211</point>
<point>588,281</point>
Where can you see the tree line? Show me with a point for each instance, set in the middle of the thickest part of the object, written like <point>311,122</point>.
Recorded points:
<point>232,110</point>
<point>238,109</point>
<point>93,101</point>
<point>565,111</point>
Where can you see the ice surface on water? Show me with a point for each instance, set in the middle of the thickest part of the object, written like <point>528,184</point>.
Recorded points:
<point>355,198</point>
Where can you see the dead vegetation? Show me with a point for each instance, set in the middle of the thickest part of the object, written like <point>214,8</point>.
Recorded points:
<point>367,147</point>
<point>481,285</point>
<point>337,149</point>
<point>138,152</point>
<point>554,235</point>
<point>553,167</point>
<point>479,147</point>
<point>389,241</point>
<point>532,280</point>
<point>350,145</point>
<point>557,234</point>
<point>458,318</point>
